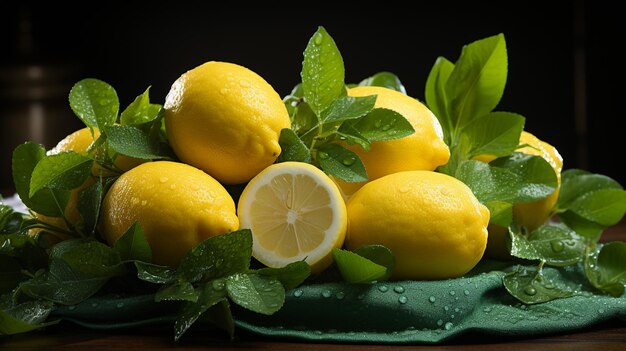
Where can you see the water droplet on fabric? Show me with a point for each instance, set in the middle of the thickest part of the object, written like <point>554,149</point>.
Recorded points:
<point>326,293</point>
<point>448,326</point>
<point>432,299</point>
<point>466,292</point>
<point>340,295</point>
<point>383,288</point>
<point>440,322</point>
<point>398,289</point>
<point>403,299</point>
<point>446,308</point>
<point>452,292</point>
<point>487,309</point>
<point>601,311</point>
<point>298,292</point>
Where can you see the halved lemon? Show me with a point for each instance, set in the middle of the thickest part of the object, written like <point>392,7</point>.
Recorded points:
<point>295,212</point>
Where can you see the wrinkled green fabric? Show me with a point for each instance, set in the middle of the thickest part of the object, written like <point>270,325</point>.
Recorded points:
<point>387,312</point>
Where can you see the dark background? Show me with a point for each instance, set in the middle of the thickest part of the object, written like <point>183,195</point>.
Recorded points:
<point>566,59</point>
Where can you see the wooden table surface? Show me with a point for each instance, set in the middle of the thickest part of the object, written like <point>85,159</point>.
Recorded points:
<point>66,336</point>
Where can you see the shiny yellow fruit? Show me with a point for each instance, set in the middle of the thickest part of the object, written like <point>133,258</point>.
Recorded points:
<point>295,212</point>
<point>432,222</point>
<point>530,215</point>
<point>177,205</point>
<point>422,150</point>
<point>226,120</point>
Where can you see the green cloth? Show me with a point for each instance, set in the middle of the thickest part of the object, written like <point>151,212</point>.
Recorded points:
<point>387,312</point>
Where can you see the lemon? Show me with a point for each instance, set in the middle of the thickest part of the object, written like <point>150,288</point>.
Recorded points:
<point>226,120</point>
<point>422,150</point>
<point>432,222</point>
<point>295,212</point>
<point>177,205</point>
<point>533,214</point>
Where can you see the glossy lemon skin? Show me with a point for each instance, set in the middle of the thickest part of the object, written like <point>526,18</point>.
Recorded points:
<point>177,205</point>
<point>433,223</point>
<point>225,120</point>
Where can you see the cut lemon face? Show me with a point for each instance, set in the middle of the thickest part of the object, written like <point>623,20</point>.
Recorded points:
<point>295,212</point>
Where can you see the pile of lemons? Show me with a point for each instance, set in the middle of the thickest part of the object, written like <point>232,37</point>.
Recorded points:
<point>223,121</point>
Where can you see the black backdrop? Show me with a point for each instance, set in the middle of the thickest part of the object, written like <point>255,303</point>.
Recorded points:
<point>566,62</point>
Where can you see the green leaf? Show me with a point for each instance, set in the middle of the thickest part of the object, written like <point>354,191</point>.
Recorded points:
<point>381,124</point>
<point>557,244</point>
<point>92,258</point>
<point>348,107</point>
<point>304,122</point>
<point>384,79</point>
<point>436,98</point>
<point>154,273</point>
<point>489,183</point>
<point>342,163</point>
<point>258,293</point>
<point>521,247</point>
<point>357,269</point>
<point>496,133</point>
<point>290,276</point>
<point>378,254</point>
<point>537,179</point>
<point>131,141</point>
<point>350,135</point>
<point>63,285</point>
<point>322,72</point>
<point>532,288</point>
<point>95,103</point>
<point>133,245</point>
<point>500,213</point>
<point>604,206</point>
<point>584,227</point>
<point>89,201</point>
<point>140,111</point>
<point>180,291</point>
<point>23,248</point>
<point>10,274</point>
<point>611,268</point>
<point>576,182</point>
<point>217,256</point>
<point>221,316</point>
<point>25,317</point>
<point>476,84</point>
<point>64,171</point>
<point>191,311</point>
<point>292,148</point>
<point>47,202</point>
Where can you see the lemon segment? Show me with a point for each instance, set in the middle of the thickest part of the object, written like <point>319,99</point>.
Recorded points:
<point>295,212</point>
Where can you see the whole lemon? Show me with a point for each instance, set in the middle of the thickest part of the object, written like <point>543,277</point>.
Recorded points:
<point>533,214</point>
<point>432,222</point>
<point>422,150</point>
<point>177,205</point>
<point>226,120</point>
